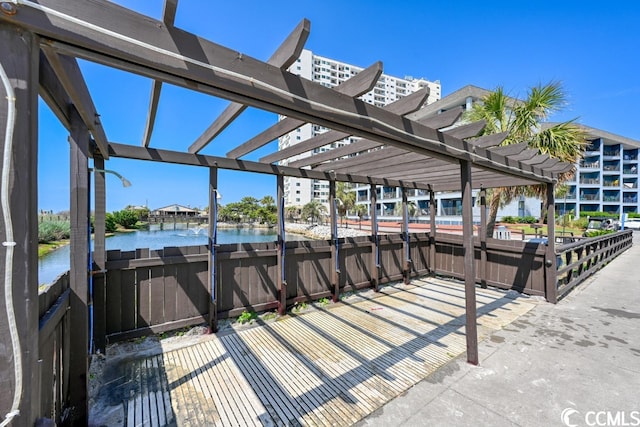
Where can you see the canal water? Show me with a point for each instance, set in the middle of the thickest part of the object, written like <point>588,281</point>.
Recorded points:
<point>57,262</point>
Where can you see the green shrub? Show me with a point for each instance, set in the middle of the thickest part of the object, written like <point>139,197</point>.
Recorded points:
<point>598,213</point>
<point>247,317</point>
<point>126,218</point>
<point>633,215</point>
<point>508,219</point>
<point>49,231</point>
<point>580,223</point>
<point>110,224</point>
<point>527,219</point>
<point>596,233</point>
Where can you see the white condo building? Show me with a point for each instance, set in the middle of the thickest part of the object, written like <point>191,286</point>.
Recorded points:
<point>330,73</point>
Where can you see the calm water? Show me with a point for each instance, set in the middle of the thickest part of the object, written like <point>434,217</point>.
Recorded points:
<point>57,262</point>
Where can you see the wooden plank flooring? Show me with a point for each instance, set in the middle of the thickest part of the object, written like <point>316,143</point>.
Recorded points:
<point>327,368</point>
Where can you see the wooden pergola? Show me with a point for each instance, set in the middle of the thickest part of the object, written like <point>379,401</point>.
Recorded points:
<point>40,42</point>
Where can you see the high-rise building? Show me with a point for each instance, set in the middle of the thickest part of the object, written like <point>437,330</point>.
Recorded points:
<point>330,73</point>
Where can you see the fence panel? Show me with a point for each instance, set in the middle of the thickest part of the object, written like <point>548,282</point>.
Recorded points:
<point>53,348</point>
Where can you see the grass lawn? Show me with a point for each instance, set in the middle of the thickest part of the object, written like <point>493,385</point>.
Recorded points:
<point>45,248</point>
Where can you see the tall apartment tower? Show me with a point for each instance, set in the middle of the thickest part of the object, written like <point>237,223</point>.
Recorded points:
<point>330,73</point>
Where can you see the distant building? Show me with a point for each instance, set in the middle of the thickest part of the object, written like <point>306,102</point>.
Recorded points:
<point>174,210</point>
<point>606,178</point>
<point>330,73</point>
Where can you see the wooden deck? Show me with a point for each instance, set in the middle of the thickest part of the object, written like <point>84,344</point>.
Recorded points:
<point>326,367</point>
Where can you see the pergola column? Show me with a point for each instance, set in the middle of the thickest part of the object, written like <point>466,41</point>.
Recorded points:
<point>406,273</point>
<point>432,232</point>
<point>469,270</point>
<point>280,257</point>
<point>213,222</point>
<point>551,269</point>
<point>482,233</point>
<point>99,254</point>
<point>78,277</point>
<point>19,374</point>
<point>375,261</point>
<point>335,278</point>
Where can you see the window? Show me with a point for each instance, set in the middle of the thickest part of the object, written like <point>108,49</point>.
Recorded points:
<point>297,184</point>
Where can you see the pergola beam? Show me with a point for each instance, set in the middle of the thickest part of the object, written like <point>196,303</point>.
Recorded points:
<point>168,17</point>
<point>357,85</point>
<point>143,46</point>
<point>176,157</point>
<point>70,76</point>
<point>282,58</point>
<point>53,93</point>
<point>403,106</point>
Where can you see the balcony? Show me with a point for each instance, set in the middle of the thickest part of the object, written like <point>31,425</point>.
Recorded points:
<point>611,183</point>
<point>589,165</point>
<point>611,199</point>
<point>632,170</point>
<point>589,197</point>
<point>362,198</point>
<point>389,195</point>
<point>452,211</point>
<point>610,168</point>
<point>590,181</point>
<point>569,196</point>
<point>611,153</point>
<point>629,199</point>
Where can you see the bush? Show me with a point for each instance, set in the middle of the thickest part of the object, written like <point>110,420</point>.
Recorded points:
<point>580,223</point>
<point>527,219</point>
<point>508,220</point>
<point>110,224</point>
<point>600,214</point>
<point>49,231</point>
<point>596,233</point>
<point>126,218</point>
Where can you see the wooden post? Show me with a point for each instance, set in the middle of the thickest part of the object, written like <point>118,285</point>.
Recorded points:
<point>551,269</point>
<point>335,278</point>
<point>280,259</point>
<point>19,373</point>
<point>432,233</point>
<point>483,238</point>
<point>99,257</point>
<point>213,282</point>
<point>375,261</point>
<point>469,270</point>
<point>79,315</point>
<point>406,249</point>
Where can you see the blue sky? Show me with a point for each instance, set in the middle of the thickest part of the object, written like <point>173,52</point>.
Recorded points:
<point>590,47</point>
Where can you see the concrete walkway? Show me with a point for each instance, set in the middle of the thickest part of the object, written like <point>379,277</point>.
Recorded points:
<point>576,363</point>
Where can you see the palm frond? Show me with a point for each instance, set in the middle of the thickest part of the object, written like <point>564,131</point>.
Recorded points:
<point>563,141</point>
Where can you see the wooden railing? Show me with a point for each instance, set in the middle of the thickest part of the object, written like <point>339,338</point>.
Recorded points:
<point>579,260</point>
<point>54,349</point>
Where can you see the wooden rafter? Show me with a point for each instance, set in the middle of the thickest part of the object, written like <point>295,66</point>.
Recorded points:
<point>436,122</point>
<point>168,17</point>
<point>282,58</point>
<point>403,106</point>
<point>357,85</point>
<point>68,73</point>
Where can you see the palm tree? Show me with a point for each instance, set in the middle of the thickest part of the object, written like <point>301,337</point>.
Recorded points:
<point>361,211</point>
<point>347,199</point>
<point>314,210</point>
<point>525,121</point>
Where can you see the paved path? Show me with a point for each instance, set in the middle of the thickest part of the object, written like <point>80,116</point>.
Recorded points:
<point>579,358</point>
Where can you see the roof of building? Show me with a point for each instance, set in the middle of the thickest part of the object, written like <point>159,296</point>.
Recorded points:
<point>608,137</point>
<point>176,208</point>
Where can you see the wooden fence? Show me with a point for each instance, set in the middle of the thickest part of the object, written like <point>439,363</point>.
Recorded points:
<point>153,291</point>
<point>581,259</point>
<point>54,349</point>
